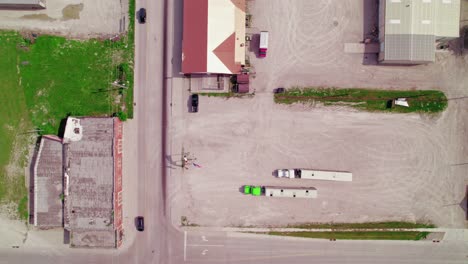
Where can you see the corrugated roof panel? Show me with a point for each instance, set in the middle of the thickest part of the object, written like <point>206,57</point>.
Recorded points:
<point>448,18</point>
<point>398,17</point>
<point>409,47</point>
<point>422,11</point>
<point>411,27</point>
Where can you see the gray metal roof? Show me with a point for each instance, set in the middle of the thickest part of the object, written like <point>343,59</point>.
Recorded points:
<point>409,17</point>
<point>448,18</point>
<point>411,27</point>
<point>48,187</point>
<point>419,48</point>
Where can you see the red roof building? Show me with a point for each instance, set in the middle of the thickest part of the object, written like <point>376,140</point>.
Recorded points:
<point>214,36</point>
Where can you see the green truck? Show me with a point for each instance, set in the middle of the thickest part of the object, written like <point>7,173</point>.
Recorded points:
<point>275,191</point>
<point>254,190</point>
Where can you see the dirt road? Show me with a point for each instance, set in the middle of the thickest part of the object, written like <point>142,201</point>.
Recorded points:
<point>406,166</point>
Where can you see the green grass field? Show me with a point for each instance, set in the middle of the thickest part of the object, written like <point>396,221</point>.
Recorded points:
<point>14,119</point>
<point>44,79</point>
<point>426,101</point>
<point>366,235</point>
<point>67,77</point>
<point>368,225</point>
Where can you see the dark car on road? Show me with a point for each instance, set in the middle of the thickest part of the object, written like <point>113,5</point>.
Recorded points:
<point>142,15</point>
<point>194,103</point>
<point>280,90</point>
<point>140,223</point>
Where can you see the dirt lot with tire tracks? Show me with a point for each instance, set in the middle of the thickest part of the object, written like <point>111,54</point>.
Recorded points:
<point>407,167</point>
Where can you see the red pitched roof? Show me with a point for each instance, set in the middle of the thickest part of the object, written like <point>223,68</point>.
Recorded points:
<point>195,36</point>
<point>225,53</point>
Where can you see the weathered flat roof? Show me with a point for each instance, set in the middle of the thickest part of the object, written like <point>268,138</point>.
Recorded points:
<point>48,183</point>
<point>90,174</point>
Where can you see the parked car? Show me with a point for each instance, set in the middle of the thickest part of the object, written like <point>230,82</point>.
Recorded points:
<point>140,223</point>
<point>280,90</point>
<point>194,102</point>
<point>142,16</point>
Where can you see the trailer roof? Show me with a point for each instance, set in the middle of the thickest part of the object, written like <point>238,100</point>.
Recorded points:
<point>326,175</point>
<point>264,39</point>
<point>291,192</point>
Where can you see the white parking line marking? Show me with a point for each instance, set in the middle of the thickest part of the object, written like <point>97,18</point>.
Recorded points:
<point>185,245</point>
<point>204,245</point>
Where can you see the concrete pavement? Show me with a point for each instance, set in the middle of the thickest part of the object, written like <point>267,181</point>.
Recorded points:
<point>451,234</point>
<point>220,247</point>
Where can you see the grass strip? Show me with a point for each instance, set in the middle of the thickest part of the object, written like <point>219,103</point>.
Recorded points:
<point>367,235</point>
<point>368,225</point>
<point>225,95</point>
<point>14,121</point>
<point>425,101</point>
<point>130,55</point>
<point>23,208</point>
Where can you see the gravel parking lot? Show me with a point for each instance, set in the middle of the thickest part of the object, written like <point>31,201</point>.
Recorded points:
<point>71,18</point>
<point>406,167</point>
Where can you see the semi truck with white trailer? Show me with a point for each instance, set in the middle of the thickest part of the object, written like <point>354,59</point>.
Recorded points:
<point>263,47</point>
<point>287,192</point>
<point>315,174</point>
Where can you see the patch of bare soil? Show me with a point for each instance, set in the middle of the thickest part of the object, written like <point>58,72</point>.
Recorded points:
<point>72,11</point>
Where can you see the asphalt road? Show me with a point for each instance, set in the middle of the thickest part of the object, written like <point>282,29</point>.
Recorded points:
<point>219,247</point>
<point>152,245</point>
<point>235,248</point>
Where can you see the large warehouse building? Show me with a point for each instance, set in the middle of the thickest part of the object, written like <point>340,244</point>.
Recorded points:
<point>78,182</point>
<point>409,29</point>
<point>214,36</point>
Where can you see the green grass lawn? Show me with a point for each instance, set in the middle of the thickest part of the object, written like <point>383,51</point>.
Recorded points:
<point>47,78</point>
<point>383,235</point>
<point>425,101</point>
<point>368,225</point>
<point>14,120</point>
<point>67,77</point>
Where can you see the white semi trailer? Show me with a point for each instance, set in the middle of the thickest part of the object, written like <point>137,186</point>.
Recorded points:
<point>315,174</point>
<point>291,192</point>
<point>263,47</point>
<point>275,191</point>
